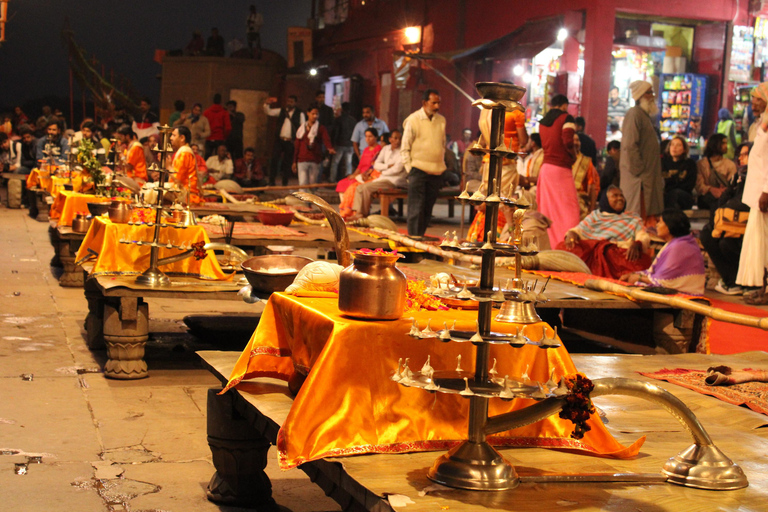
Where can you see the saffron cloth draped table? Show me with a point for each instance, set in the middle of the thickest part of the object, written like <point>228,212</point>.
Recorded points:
<point>349,405</point>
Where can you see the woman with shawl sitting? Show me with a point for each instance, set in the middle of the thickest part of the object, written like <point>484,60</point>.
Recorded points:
<point>610,241</point>
<point>679,264</point>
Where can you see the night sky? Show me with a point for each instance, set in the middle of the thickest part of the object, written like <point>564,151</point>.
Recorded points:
<point>123,35</point>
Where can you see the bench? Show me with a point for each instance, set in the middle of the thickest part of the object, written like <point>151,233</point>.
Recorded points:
<point>388,195</point>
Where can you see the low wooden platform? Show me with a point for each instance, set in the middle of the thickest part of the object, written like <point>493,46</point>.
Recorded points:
<point>118,316</point>
<point>368,482</point>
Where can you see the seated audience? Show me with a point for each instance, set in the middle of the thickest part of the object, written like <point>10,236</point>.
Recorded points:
<point>528,167</point>
<point>51,140</point>
<point>392,174</point>
<point>679,264</point>
<point>609,174</point>
<point>203,178</point>
<point>28,150</point>
<point>585,178</point>
<point>611,241</point>
<point>724,250</point>
<point>364,172</point>
<point>679,172</point>
<point>220,165</point>
<point>714,172</point>
<point>248,172</point>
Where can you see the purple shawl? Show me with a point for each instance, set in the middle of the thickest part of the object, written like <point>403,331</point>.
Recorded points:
<point>679,265</point>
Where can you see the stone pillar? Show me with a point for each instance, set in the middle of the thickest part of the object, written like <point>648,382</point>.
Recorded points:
<point>15,189</point>
<point>239,455</point>
<point>598,44</point>
<point>126,330</point>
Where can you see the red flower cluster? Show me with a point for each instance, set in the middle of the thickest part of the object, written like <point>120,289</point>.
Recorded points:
<point>200,252</point>
<point>143,215</point>
<point>578,406</point>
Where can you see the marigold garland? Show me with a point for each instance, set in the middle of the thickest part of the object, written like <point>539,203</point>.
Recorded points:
<point>417,299</point>
<point>578,406</point>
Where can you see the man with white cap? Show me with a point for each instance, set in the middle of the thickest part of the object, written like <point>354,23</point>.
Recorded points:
<point>759,102</point>
<point>754,255</point>
<point>640,162</point>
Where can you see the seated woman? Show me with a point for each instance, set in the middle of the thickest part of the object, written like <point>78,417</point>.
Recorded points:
<point>679,172</point>
<point>392,174</point>
<point>679,264</point>
<point>611,242</point>
<point>364,172</point>
<point>714,171</point>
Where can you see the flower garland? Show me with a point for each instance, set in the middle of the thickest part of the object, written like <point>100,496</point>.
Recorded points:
<point>200,252</point>
<point>377,252</point>
<point>578,406</point>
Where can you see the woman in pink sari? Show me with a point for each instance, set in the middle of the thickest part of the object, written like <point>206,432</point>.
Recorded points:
<point>364,173</point>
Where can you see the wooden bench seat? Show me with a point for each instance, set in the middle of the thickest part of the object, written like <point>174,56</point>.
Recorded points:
<point>388,195</point>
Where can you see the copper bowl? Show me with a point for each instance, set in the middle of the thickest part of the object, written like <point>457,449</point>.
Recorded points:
<point>261,280</point>
<point>97,209</point>
<point>275,218</point>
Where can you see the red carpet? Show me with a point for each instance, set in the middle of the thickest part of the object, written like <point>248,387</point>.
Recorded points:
<point>728,338</point>
<point>751,394</point>
<point>723,337</point>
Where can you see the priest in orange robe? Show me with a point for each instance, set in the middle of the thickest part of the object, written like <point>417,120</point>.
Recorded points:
<point>184,165</point>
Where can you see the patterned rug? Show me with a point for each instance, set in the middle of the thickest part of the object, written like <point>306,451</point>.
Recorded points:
<point>254,229</point>
<point>752,394</point>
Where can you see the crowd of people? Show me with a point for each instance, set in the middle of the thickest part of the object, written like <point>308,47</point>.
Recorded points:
<point>605,210</point>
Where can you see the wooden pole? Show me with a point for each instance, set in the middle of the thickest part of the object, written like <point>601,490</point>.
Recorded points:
<point>288,187</point>
<point>679,302</point>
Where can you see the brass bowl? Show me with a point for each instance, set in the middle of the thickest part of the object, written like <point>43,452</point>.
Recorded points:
<point>267,282</point>
<point>497,91</point>
<point>97,209</point>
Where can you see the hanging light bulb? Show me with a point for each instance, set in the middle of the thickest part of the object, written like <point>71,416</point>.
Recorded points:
<point>518,70</point>
<point>562,34</point>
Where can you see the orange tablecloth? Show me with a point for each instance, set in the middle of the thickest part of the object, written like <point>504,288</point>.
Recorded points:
<point>52,185</point>
<point>348,405</point>
<point>68,203</point>
<point>102,242</point>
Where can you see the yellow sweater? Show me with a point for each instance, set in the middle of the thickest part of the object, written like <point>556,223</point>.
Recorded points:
<point>423,143</point>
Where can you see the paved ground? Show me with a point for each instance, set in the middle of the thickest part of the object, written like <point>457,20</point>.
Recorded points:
<point>105,444</point>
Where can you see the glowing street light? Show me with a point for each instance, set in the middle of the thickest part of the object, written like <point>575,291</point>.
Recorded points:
<point>562,34</point>
<point>518,70</point>
<point>412,35</point>
<point>527,78</point>
<point>313,72</point>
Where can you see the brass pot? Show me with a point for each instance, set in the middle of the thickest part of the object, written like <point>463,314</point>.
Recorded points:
<point>372,288</point>
<point>119,212</point>
<point>80,223</point>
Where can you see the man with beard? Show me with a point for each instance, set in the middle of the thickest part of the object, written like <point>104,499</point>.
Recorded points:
<point>50,142</point>
<point>759,102</point>
<point>640,162</point>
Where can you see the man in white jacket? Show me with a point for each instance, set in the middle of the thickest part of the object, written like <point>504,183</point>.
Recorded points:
<point>423,152</point>
<point>390,164</point>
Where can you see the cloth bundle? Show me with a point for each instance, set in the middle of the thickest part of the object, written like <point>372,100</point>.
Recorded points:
<point>725,376</point>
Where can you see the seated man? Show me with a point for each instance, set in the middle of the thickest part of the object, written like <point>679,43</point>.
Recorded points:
<point>248,172</point>
<point>203,176</point>
<point>220,165</point>
<point>586,179</point>
<point>611,242</point>
<point>53,145</point>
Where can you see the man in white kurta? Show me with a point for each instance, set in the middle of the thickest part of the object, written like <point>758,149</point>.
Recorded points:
<point>754,251</point>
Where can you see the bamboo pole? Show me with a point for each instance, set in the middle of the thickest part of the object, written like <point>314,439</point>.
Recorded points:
<point>679,302</point>
<point>288,187</point>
